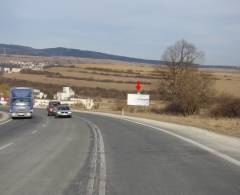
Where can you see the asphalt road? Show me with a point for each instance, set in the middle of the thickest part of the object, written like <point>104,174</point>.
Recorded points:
<point>42,155</point>
<point>52,156</point>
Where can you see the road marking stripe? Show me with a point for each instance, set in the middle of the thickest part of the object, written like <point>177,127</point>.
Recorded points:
<point>102,182</point>
<point>210,150</point>
<point>5,146</point>
<point>6,122</point>
<point>98,158</point>
<point>35,131</point>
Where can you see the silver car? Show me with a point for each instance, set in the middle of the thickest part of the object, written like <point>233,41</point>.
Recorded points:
<point>63,111</point>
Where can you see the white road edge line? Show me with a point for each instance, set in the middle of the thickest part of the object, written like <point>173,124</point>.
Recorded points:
<point>5,146</point>
<point>102,182</point>
<point>210,150</point>
<point>6,122</point>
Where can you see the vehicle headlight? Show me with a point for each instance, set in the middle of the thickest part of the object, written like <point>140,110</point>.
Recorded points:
<point>69,112</point>
<point>59,112</point>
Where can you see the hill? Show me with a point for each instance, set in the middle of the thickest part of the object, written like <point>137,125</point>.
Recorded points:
<point>67,52</point>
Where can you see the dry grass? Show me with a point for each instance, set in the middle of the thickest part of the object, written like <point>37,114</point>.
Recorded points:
<point>77,72</point>
<point>220,125</point>
<point>226,81</point>
<point>120,66</point>
<point>73,82</point>
<point>229,86</point>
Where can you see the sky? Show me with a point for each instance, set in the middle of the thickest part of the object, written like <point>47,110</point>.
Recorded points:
<point>134,28</point>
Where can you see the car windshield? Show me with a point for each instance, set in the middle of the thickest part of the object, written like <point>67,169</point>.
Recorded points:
<point>20,101</point>
<point>64,108</point>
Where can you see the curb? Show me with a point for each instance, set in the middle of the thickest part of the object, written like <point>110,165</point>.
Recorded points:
<point>5,117</point>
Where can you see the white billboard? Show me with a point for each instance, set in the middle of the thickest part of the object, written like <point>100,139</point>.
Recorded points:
<point>138,100</point>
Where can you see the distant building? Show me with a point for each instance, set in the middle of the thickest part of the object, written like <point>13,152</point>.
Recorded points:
<point>38,94</point>
<point>87,103</point>
<point>65,94</point>
<point>10,69</point>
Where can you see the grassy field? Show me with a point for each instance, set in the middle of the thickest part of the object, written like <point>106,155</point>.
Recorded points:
<point>227,81</point>
<point>123,77</point>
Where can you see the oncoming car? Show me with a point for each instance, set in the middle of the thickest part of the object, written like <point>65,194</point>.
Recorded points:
<point>63,111</point>
<point>51,109</point>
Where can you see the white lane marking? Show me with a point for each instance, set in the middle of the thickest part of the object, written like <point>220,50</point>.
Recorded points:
<point>6,122</point>
<point>210,150</point>
<point>5,146</point>
<point>35,131</point>
<point>102,182</point>
<point>93,167</point>
<point>98,158</point>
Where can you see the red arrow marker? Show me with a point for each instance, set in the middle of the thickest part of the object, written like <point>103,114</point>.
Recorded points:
<point>138,85</point>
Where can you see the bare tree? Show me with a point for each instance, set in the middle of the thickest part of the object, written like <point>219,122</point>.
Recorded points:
<point>182,55</point>
<point>184,86</point>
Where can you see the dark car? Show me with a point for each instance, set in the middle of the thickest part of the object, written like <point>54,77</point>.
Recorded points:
<point>52,107</point>
<point>63,111</point>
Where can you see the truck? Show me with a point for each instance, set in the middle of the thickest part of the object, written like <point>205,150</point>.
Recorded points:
<point>21,102</point>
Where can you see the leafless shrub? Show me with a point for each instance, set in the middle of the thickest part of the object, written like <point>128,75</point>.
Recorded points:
<point>119,104</point>
<point>79,106</point>
<point>226,106</point>
<point>41,72</point>
<point>191,92</point>
<point>129,71</point>
<point>96,106</point>
<point>157,110</point>
<point>185,87</point>
<point>140,76</point>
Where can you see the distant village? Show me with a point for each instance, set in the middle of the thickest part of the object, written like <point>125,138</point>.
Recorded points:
<point>12,66</point>
<point>67,95</point>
